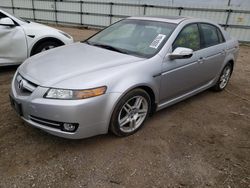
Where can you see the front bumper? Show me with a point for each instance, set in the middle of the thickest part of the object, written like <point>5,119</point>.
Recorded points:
<point>92,115</point>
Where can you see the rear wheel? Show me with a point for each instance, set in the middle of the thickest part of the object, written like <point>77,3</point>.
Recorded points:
<point>130,113</point>
<point>224,78</point>
<point>44,46</point>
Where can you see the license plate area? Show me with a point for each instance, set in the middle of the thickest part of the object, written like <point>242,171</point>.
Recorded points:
<point>17,106</point>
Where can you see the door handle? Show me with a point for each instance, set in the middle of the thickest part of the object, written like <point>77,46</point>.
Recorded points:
<point>223,52</point>
<point>200,60</point>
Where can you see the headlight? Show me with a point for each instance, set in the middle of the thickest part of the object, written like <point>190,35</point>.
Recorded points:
<point>65,34</point>
<point>74,94</point>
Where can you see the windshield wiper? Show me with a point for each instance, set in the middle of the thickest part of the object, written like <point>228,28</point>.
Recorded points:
<point>107,47</point>
<point>86,41</point>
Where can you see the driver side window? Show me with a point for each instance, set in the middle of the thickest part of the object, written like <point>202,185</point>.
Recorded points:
<point>189,37</point>
<point>2,15</point>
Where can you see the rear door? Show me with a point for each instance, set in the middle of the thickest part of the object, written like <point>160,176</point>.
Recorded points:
<point>213,52</point>
<point>13,47</point>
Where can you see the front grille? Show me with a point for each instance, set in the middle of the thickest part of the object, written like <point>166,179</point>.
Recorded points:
<point>23,86</point>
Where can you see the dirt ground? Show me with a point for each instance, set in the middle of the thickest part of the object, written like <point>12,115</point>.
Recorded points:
<point>201,142</point>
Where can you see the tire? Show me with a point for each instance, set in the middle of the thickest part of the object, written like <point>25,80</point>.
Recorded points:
<point>44,46</point>
<point>224,78</point>
<point>130,113</point>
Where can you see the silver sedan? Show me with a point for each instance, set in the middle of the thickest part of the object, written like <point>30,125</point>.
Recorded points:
<point>115,79</point>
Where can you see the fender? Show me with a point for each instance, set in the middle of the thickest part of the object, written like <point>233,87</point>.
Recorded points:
<point>232,50</point>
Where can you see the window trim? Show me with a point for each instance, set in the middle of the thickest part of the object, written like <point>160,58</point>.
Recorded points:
<point>217,30</point>
<point>194,23</point>
<point>222,36</point>
<point>201,34</point>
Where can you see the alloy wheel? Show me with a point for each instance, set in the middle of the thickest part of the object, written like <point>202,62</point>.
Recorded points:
<point>132,114</point>
<point>47,48</point>
<point>225,77</point>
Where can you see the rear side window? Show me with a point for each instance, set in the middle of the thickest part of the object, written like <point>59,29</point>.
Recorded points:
<point>210,35</point>
<point>189,37</point>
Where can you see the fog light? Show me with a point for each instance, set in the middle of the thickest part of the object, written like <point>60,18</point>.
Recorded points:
<point>69,127</point>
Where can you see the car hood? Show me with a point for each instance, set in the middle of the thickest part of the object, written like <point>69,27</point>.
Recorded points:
<point>56,65</point>
<point>34,28</point>
<point>34,24</point>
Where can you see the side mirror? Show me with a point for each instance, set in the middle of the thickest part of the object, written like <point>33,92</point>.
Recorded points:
<point>7,22</point>
<point>181,53</point>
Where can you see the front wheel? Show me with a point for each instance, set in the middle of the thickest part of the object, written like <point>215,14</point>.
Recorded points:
<point>224,78</point>
<point>46,45</point>
<point>130,113</point>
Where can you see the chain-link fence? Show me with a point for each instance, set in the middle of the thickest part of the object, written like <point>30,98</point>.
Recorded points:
<point>236,20</point>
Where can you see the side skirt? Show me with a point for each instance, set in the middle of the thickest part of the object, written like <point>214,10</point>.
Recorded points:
<point>184,96</point>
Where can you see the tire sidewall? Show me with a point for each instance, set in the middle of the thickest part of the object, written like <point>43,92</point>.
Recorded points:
<point>114,125</point>
<point>217,85</point>
<point>39,48</point>
<point>230,67</point>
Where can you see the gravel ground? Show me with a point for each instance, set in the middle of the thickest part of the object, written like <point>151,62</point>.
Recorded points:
<point>201,142</point>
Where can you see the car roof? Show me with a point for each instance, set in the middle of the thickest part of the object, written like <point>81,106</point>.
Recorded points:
<point>169,19</point>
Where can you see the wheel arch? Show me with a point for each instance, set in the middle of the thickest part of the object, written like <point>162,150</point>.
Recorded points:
<point>152,94</point>
<point>231,61</point>
<point>144,87</point>
<point>40,41</point>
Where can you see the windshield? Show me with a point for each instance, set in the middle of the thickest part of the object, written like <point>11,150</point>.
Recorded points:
<point>142,38</point>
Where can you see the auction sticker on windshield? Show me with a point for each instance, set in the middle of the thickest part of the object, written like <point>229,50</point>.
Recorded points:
<point>157,41</point>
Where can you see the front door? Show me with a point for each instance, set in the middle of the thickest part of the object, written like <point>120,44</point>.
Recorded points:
<point>179,75</point>
<point>13,47</point>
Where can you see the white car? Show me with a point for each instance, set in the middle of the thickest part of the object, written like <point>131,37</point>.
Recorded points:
<point>20,39</point>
